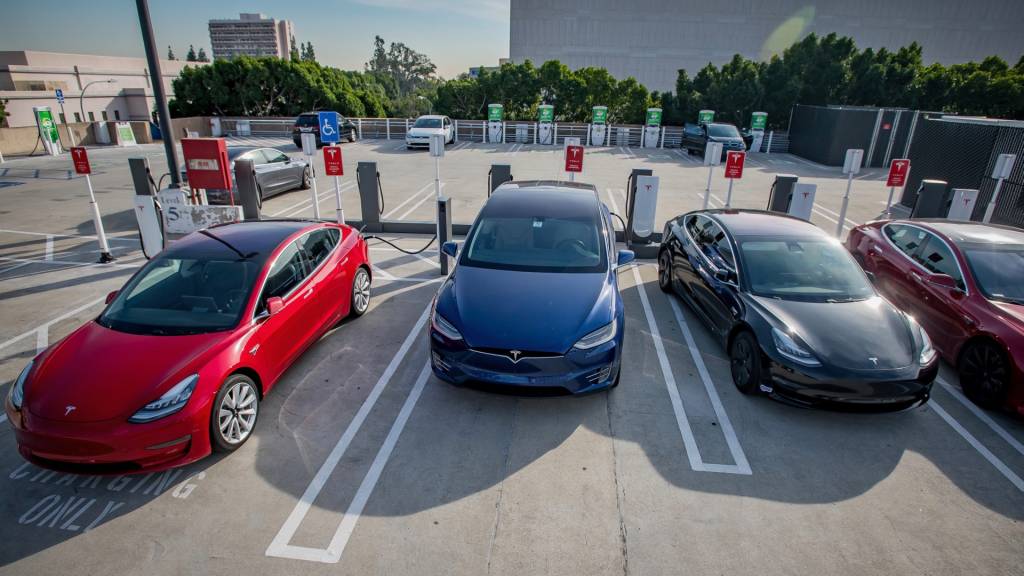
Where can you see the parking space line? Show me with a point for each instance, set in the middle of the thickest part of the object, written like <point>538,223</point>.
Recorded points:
<point>67,263</point>
<point>279,546</point>
<point>308,202</point>
<point>981,415</point>
<point>48,252</point>
<point>420,203</point>
<point>611,199</point>
<point>742,466</point>
<point>978,446</point>
<point>86,236</point>
<point>424,190</point>
<point>47,325</point>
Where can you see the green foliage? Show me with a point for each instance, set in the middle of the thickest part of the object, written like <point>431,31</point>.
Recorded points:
<point>170,54</point>
<point>406,69</point>
<point>3,112</point>
<point>202,55</point>
<point>308,54</point>
<point>293,51</point>
<point>191,56</point>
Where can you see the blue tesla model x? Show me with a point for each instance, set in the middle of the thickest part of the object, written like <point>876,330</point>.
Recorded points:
<point>533,298</point>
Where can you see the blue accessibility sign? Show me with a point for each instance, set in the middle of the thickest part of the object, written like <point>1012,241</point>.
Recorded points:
<point>60,96</point>
<point>329,127</point>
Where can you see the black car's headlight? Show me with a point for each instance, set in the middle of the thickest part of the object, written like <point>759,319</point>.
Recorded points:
<point>172,401</point>
<point>444,327</point>
<point>928,351</point>
<point>789,349</point>
<point>598,337</point>
<point>17,394</point>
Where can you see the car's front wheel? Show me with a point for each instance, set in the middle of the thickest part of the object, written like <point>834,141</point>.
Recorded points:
<point>360,293</point>
<point>233,417</point>
<point>665,271</point>
<point>745,362</point>
<point>307,179</point>
<point>984,374</point>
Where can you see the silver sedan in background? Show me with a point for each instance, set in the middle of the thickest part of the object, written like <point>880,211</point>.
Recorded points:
<point>275,171</point>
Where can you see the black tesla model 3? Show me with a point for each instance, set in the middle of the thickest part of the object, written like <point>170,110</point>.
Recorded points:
<point>799,318</point>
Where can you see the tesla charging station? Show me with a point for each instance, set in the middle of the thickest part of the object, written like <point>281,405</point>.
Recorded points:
<point>933,199</point>
<point>652,128</point>
<point>712,158</point>
<point>495,125</point>
<point>1004,165</point>
<point>641,206</point>
<point>545,121</point>
<point>789,196</point>
<point>47,129</point>
<point>851,166</point>
<point>150,230</point>
<point>961,207</point>
<point>598,125</point>
<point>758,122</point>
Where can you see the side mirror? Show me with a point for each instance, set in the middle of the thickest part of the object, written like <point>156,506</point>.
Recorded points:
<point>274,305</point>
<point>111,296</point>
<point>625,257</point>
<point>450,248</point>
<point>943,281</point>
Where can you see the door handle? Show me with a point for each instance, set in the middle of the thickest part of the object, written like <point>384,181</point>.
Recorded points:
<point>307,293</point>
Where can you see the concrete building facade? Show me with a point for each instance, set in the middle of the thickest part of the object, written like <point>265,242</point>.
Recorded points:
<point>652,39</point>
<point>251,35</point>
<point>29,78</point>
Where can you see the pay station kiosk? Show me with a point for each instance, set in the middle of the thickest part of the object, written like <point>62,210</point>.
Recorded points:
<point>598,125</point>
<point>495,125</point>
<point>758,122</point>
<point>652,128</point>
<point>545,123</point>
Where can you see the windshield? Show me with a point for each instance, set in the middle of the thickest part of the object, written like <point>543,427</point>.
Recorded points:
<point>998,271</point>
<point>723,131</point>
<point>535,244</point>
<point>307,120</point>
<point>177,296</point>
<point>813,270</point>
<point>427,123</point>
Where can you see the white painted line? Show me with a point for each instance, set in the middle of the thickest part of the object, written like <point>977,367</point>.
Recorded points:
<point>280,546</point>
<point>981,415</point>
<point>981,449</point>
<point>47,325</point>
<point>670,382</point>
<point>15,267</point>
<point>69,263</point>
<point>382,272</point>
<point>802,161</point>
<point>742,466</point>
<point>308,202</point>
<point>48,252</point>
<point>611,200</point>
<point>42,338</point>
<point>27,233</point>
<point>420,203</point>
<point>424,190</point>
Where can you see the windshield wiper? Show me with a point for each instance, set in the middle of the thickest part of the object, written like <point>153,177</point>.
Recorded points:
<point>241,255</point>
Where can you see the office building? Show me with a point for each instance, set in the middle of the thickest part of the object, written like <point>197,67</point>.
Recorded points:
<point>251,35</point>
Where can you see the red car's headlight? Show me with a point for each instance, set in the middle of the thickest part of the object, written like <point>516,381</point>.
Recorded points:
<point>17,395</point>
<point>172,401</point>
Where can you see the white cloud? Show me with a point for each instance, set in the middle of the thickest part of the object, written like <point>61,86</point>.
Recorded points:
<point>495,10</point>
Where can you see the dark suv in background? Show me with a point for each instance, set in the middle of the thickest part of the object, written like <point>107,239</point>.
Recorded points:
<point>696,137</point>
<point>309,122</point>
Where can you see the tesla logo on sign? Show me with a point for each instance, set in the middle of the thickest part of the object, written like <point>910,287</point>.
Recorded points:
<point>574,158</point>
<point>734,164</point>
<point>332,161</point>
<point>203,164</point>
<point>514,354</point>
<point>898,171</point>
<point>69,409</point>
<point>81,160</point>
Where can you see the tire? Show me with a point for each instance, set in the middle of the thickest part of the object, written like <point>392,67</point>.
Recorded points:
<point>259,197</point>
<point>307,179</point>
<point>984,374</point>
<point>234,413</point>
<point>352,135</point>
<point>665,271</point>
<point>360,297</point>
<point>745,362</point>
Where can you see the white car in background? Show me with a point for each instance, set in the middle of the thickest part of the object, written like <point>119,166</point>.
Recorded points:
<point>425,126</point>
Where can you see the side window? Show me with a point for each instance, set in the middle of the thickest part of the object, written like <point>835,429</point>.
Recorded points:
<point>274,155</point>
<point>938,259</point>
<point>256,156</point>
<point>907,238</point>
<point>288,271</point>
<point>718,248</point>
<point>319,244</point>
<point>694,226</point>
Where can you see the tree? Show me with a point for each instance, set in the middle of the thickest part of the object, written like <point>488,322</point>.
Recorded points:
<point>202,55</point>
<point>3,112</point>
<point>170,54</point>
<point>293,52</point>
<point>407,68</point>
<point>191,56</point>
<point>308,55</point>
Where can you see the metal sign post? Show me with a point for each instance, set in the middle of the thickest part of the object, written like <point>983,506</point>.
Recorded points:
<point>1004,165</point>
<point>80,158</point>
<point>67,126</point>
<point>309,149</point>
<point>851,166</point>
<point>333,166</point>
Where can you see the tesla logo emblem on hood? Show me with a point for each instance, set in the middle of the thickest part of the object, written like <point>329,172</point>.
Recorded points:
<point>874,360</point>
<point>69,409</point>
<point>514,354</point>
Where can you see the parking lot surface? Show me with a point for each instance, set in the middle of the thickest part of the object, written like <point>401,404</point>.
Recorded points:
<point>364,463</point>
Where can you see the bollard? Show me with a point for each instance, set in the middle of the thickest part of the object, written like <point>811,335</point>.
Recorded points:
<point>444,229</point>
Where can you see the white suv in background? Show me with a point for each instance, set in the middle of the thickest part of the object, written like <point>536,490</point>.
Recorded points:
<point>420,132</point>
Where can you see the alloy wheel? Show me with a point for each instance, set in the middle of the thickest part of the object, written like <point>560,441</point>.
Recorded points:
<point>983,374</point>
<point>664,271</point>
<point>360,292</point>
<point>237,413</point>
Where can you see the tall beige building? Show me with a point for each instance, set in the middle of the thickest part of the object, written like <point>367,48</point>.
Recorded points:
<point>251,35</point>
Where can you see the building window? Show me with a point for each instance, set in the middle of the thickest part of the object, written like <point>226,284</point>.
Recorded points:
<point>104,114</point>
<point>117,114</point>
<point>92,117</point>
<point>78,117</point>
<point>63,120</point>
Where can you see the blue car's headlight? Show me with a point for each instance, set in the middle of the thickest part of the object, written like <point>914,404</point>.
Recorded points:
<point>172,401</point>
<point>788,347</point>
<point>17,395</point>
<point>444,327</point>
<point>598,337</point>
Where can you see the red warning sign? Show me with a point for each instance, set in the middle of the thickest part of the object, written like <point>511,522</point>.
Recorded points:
<point>574,158</point>
<point>332,161</point>
<point>734,164</point>
<point>898,171</point>
<point>81,160</point>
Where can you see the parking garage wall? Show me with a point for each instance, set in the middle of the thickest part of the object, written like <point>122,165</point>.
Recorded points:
<point>823,134</point>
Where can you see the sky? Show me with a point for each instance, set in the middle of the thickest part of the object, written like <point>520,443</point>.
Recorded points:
<point>455,34</point>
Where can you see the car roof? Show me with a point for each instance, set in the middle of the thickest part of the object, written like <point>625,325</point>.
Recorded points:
<point>762,223</point>
<point>236,151</point>
<point>430,117</point>
<point>542,198</point>
<point>965,232</point>
<point>259,237</point>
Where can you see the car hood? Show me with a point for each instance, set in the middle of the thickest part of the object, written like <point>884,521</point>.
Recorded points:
<point>1014,313</point>
<point>847,334</point>
<point>529,311</point>
<point>424,131</point>
<point>106,374</point>
<point>726,140</point>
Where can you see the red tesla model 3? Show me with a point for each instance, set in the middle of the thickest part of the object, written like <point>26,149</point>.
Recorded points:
<point>178,362</point>
<point>964,283</point>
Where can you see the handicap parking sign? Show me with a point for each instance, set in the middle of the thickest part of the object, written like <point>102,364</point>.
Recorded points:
<point>60,96</point>
<point>328,126</point>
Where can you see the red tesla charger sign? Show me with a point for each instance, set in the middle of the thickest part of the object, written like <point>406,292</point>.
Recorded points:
<point>206,163</point>
<point>734,164</point>
<point>81,160</point>
<point>898,171</point>
<point>332,161</point>
<point>574,158</point>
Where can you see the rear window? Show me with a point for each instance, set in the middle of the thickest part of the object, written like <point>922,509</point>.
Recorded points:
<point>305,120</point>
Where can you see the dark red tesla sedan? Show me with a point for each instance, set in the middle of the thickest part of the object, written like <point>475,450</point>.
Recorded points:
<point>178,362</point>
<point>964,283</point>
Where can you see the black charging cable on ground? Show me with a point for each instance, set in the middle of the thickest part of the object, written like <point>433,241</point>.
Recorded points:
<point>621,221</point>
<point>399,248</point>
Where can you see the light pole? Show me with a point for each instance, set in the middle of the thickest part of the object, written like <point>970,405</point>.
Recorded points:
<point>430,109</point>
<point>81,95</point>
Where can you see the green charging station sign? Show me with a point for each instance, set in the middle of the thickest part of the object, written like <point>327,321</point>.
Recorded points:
<point>654,116</point>
<point>47,125</point>
<point>546,113</point>
<point>494,112</point>
<point>600,115</point>
<point>758,120</point>
<point>705,116</point>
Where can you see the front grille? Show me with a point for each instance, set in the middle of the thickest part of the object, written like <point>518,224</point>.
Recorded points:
<point>600,375</point>
<point>523,354</point>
